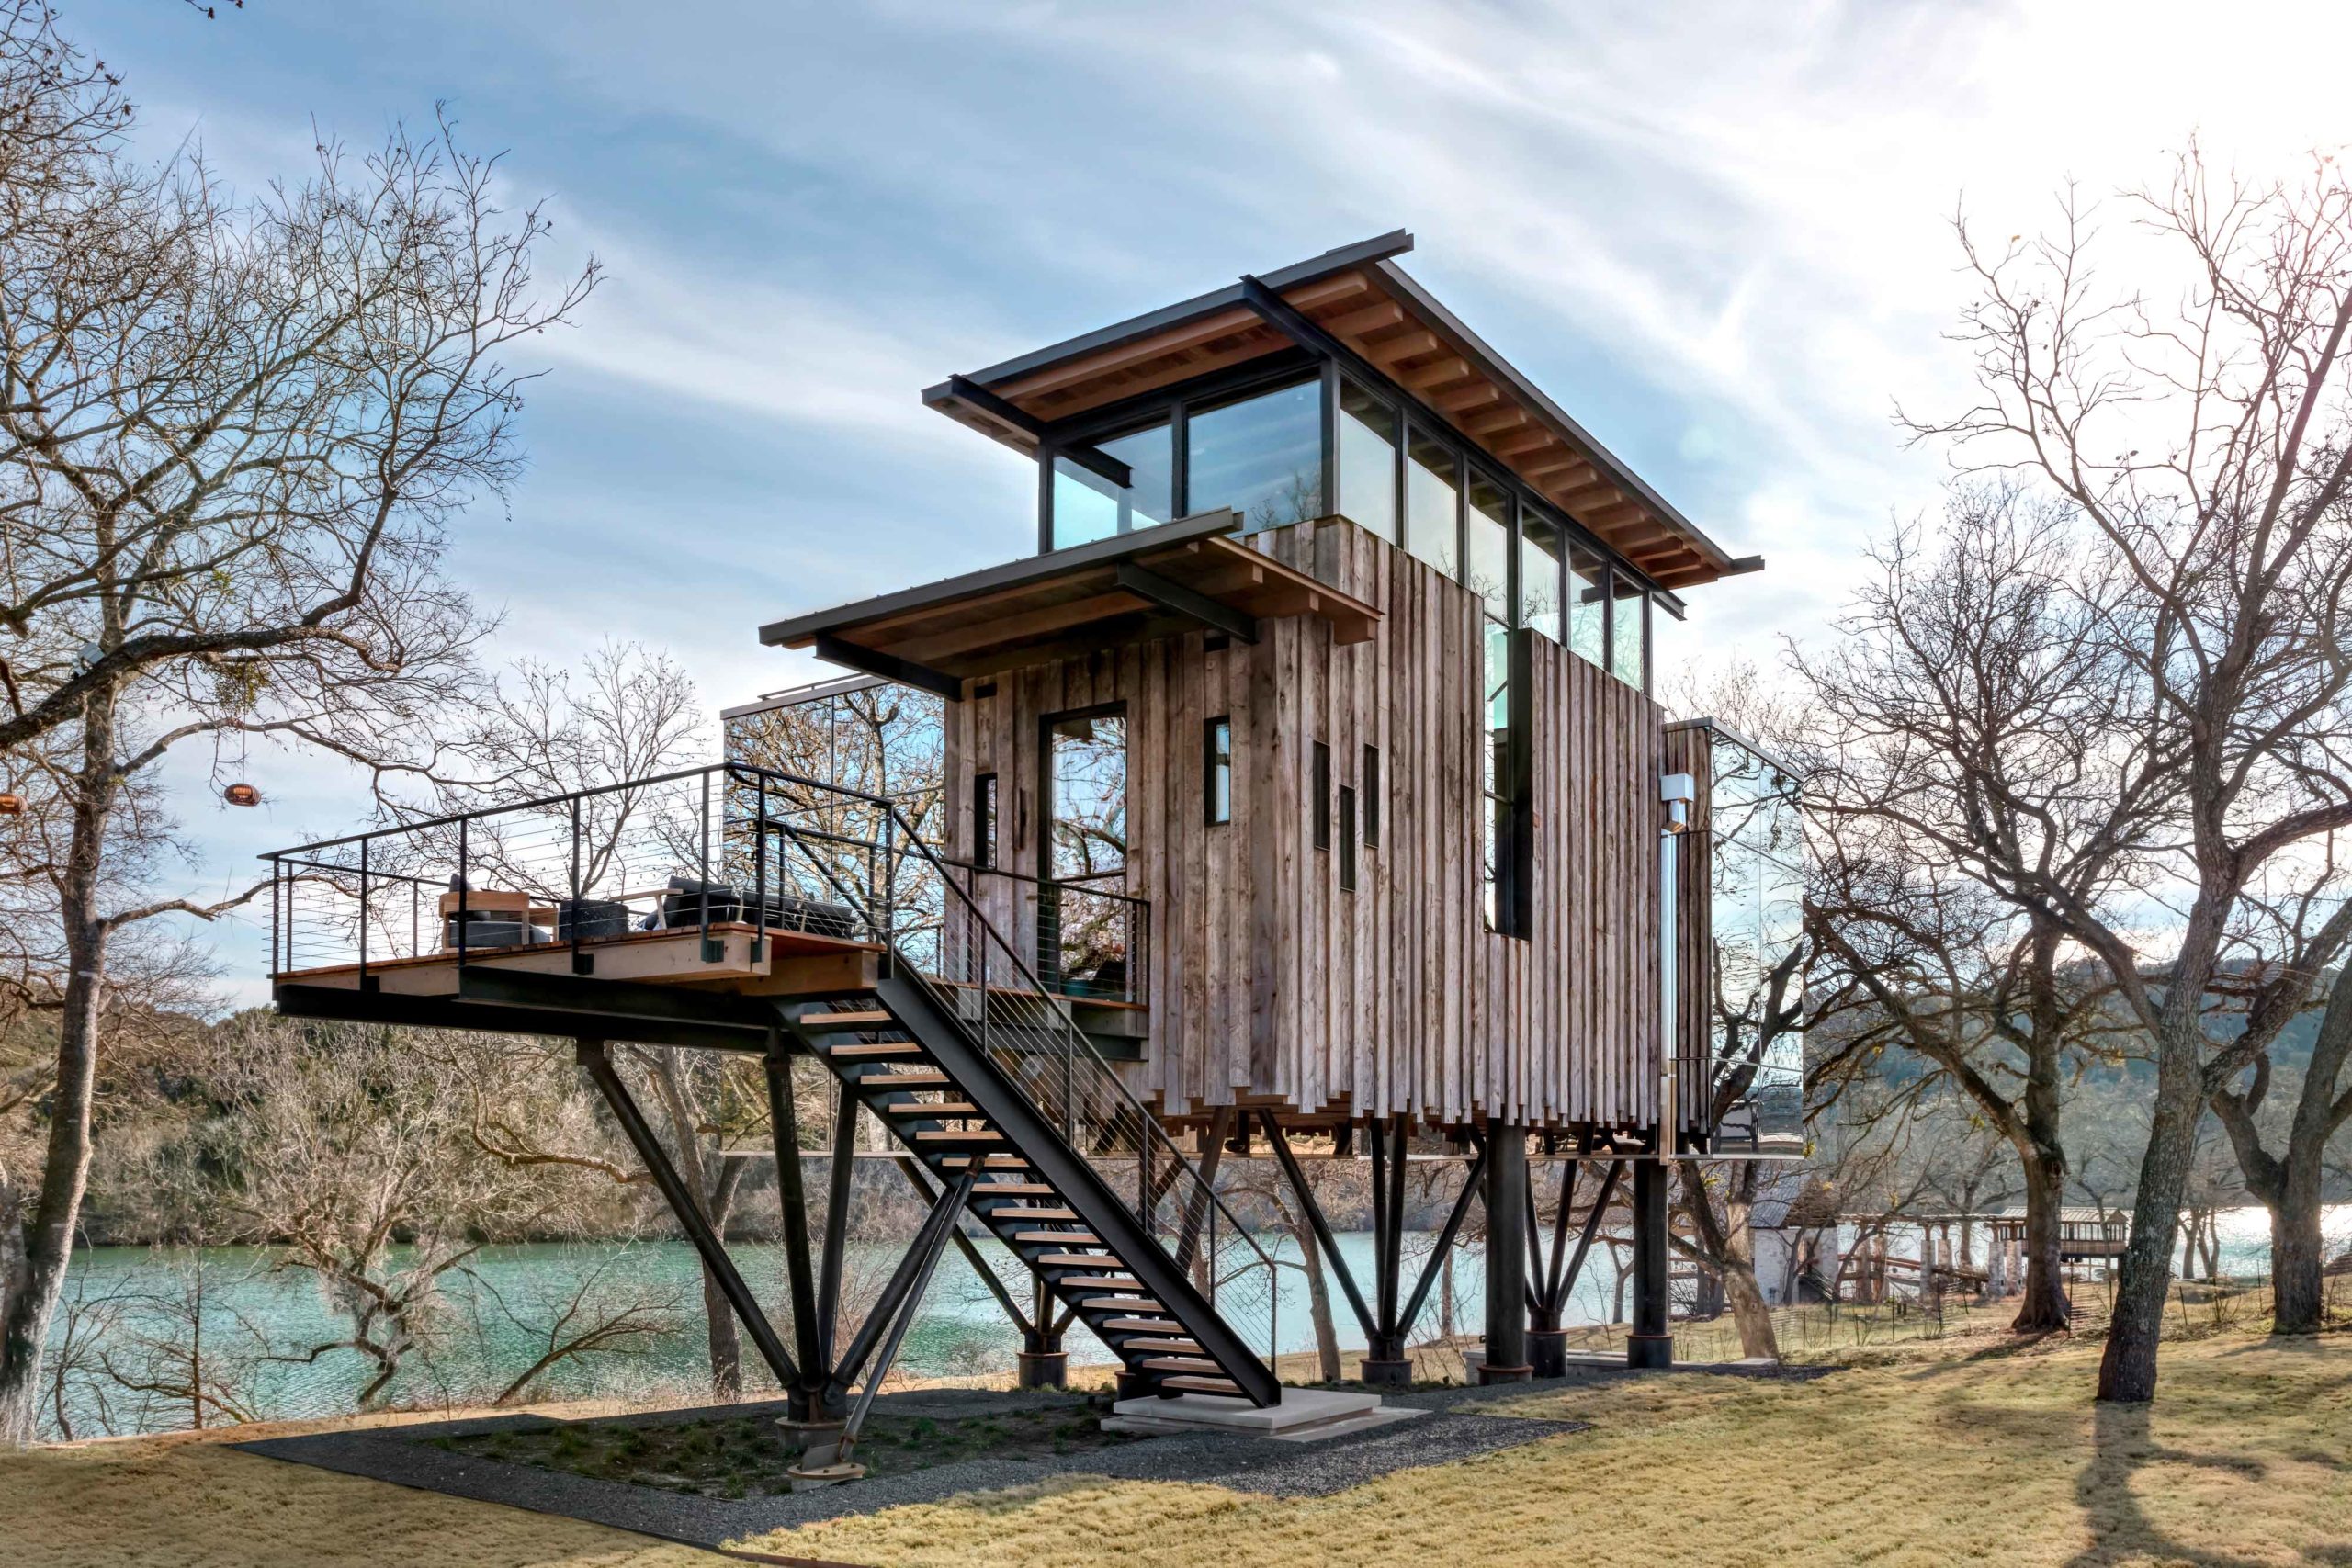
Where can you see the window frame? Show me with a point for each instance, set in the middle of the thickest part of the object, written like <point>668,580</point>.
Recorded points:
<point>1211,765</point>
<point>984,821</point>
<point>1320,813</point>
<point>1415,419</point>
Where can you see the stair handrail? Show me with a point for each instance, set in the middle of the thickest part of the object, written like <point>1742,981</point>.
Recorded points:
<point>1073,1035</point>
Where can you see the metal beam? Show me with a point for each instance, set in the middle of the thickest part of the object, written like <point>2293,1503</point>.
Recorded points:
<point>951,1204</point>
<point>1092,458</point>
<point>688,1209</point>
<point>837,1177</point>
<point>912,1272</point>
<point>448,1012</point>
<point>906,672</point>
<point>617,1000</point>
<point>783,1125</point>
<point>1591,1229</point>
<point>1444,1243</point>
<point>1321,1226</point>
<point>1146,583</point>
<point>911,1168</point>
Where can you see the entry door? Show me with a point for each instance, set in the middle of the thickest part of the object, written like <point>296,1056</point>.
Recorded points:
<point>1083,920</point>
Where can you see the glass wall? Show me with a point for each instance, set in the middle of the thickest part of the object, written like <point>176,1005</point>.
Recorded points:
<point>1489,524</point>
<point>1588,606</point>
<point>1628,631</point>
<point>1368,429</point>
<point>1432,504</point>
<point>1260,453</point>
<point>1756,850</point>
<point>1088,506</point>
<point>1259,447</point>
<point>1539,573</point>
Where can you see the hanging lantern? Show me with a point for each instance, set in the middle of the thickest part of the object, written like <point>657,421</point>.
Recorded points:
<point>11,803</point>
<point>242,793</point>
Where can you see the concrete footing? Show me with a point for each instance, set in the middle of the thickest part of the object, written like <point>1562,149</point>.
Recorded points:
<point>1306,1415</point>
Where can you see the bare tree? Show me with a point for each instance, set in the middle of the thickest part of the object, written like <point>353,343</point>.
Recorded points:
<point>607,1308</point>
<point>340,1144</point>
<point>1967,736</point>
<point>2203,445</point>
<point>231,432</point>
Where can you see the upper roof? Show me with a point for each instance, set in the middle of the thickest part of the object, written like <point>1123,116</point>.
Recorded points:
<point>1358,301</point>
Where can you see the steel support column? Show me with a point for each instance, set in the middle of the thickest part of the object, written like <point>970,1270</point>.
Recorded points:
<point>688,1210</point>
<point>1651,1344</point>
<point>805,1399</point>
<point>1507,1288</point>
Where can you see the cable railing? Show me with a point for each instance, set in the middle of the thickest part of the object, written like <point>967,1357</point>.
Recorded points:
<point>750,859</point>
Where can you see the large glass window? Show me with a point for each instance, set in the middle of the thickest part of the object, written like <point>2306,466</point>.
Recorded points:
<point>1489,521</point>
<point>1432,514</point>
<point>1588,606</point>
<point>1088,506</point>
<point>1367,460</point>
<point>1756,855</point>
<point>1629,632</point>
<point>1539,573</point>
<point>1260,453</point>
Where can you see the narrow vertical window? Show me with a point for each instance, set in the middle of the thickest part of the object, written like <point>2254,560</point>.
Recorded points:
<point>1347,840</point>
<point>1217,769</point>
<point>1372,798</point>
<point>1322,795</point>
<point>984,820</point>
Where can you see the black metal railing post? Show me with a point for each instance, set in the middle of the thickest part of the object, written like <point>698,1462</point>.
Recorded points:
<point>760,873</point>
<point>363,913</point>
<point>576,895</point>
<point>465,888</point>
<point>703,847</point>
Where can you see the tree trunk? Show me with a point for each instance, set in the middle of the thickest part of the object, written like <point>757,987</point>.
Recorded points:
<point>2297,1254</point>
<point>2044,1306</point>
<point>1730,1244</point>
<point>2127,1371</point>
<point>1318,1304</point>
<point>48,1243</point>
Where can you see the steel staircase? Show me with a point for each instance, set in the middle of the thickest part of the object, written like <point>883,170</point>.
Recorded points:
<point>926,1075</point>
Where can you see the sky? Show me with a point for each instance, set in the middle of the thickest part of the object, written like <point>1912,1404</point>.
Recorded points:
<point>1720,235</point>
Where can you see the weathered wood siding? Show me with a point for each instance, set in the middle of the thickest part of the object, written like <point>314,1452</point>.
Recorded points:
<point>1689,751</point>
<point>1269,984</point>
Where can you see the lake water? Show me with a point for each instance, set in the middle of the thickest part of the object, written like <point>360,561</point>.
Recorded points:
<point>483,1341</point>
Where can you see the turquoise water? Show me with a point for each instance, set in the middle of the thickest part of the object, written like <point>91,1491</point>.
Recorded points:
<point>480,1339</point>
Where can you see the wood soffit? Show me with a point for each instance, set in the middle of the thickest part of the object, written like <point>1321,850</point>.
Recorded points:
<point>1080,599</point>
<point>1368,309</point>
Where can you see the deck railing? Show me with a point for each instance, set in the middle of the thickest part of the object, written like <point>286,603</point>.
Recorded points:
<point>737,851</point>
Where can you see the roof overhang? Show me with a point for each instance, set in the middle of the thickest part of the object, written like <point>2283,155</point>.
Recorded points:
<point>1182,576</point>
<point>1358,302</point>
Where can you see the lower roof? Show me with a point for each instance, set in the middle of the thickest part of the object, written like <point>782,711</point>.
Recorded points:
<point>1176,577</point>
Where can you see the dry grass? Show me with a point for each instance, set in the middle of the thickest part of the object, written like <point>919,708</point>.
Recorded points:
<point>1925,1454</point>
<point>2246,1458</point>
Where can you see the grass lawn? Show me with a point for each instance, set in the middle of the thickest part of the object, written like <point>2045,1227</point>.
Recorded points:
<point>1918,1453</point>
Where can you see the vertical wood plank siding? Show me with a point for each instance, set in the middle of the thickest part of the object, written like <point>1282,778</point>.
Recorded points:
<point>1687,750</point>
<point>1270,984</point>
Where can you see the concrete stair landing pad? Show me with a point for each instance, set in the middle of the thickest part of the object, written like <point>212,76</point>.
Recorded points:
<point>1305,1415</point>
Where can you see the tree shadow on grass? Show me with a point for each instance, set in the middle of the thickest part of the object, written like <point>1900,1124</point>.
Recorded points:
<point>2123,1532</point>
